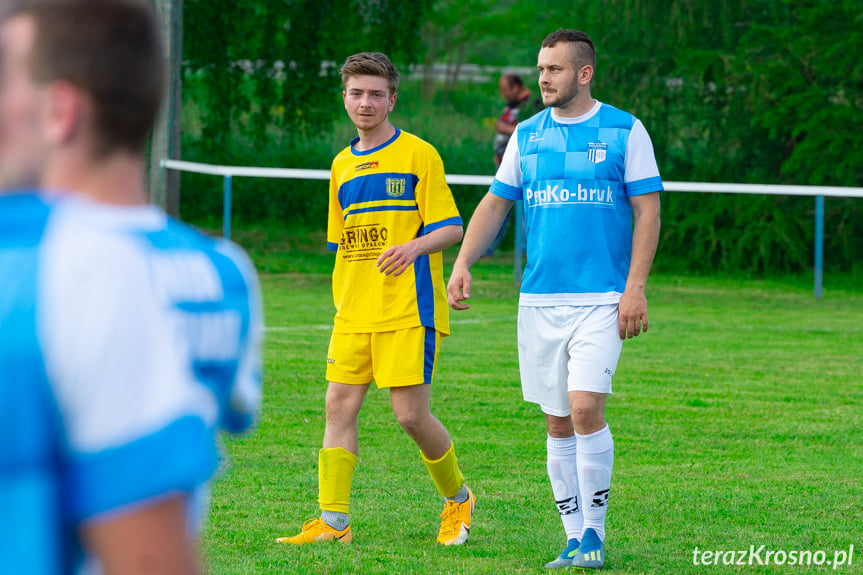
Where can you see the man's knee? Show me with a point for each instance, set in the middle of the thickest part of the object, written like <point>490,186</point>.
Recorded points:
<point>343,401</point>
<point>587,412</point>
<point>412,418</point>
<point>558,426</point>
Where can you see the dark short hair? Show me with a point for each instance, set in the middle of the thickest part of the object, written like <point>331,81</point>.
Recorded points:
<point>109,49</point>
<point>370,64</point>
<point>582,48</point>
<point>513,79</point>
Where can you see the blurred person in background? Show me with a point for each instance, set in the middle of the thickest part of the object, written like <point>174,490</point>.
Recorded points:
<point>517,97</point>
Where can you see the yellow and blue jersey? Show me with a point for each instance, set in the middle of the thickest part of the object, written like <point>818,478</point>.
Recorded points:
<point>379,198</point>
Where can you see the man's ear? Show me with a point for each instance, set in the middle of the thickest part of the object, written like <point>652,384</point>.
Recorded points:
<point>65,108</point>
<point>585,75</point>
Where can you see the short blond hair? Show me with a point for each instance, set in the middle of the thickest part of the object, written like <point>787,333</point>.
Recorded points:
<point>370,64</point>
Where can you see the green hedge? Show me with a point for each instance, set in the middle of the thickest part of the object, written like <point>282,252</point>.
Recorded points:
<point>701,233</point>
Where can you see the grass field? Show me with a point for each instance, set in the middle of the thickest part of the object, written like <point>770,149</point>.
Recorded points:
<point>737,421</point>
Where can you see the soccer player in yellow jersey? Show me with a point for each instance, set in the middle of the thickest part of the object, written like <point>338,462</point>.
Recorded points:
<point>391,215</point>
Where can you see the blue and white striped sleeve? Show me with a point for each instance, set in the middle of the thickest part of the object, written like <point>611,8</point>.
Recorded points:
<point>508,180</point>
<point>137,426</point>
<point>641,174</point>
<point>244,400</point>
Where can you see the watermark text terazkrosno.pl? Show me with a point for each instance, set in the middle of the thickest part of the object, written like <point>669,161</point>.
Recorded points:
<point>761,555</point>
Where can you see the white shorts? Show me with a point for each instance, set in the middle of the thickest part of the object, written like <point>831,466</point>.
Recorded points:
<point>566,348</point>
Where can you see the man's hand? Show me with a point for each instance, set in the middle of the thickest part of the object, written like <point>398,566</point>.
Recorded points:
<point>632,313</point>
<point>397,259</point>
<point>458,288</point>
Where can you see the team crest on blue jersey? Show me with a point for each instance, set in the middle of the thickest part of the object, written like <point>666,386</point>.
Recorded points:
<point>596,151</point>
<point>395,187</point>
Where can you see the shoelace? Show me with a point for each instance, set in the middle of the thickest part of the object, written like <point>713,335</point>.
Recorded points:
<point>450,517</point>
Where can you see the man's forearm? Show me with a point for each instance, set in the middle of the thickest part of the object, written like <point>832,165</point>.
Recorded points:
<point>440,239</point>
<point>645,239</point>
<point>482,229</point>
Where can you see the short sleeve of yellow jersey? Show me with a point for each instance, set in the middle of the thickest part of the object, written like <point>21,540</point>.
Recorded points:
<point>434,198</point>
<point>379,198</point>
<point>335,221</point>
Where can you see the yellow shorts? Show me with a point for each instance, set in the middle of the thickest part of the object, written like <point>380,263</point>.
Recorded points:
<point>390,358</point>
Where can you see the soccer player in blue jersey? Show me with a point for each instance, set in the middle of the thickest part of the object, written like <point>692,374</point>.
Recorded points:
<point>127,340</point>
<point>590,186</point>
<point>391,215</point>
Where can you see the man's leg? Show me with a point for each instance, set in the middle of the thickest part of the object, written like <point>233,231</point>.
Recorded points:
<point>594,352</point>
<point>595,459</point>
<point>338,458</point>
<point>562,471</point>
<point>411,408</point>
<point>544,334</point>
<point>337,461</point>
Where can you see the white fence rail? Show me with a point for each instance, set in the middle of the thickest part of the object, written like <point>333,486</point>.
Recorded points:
<point>819,192</point>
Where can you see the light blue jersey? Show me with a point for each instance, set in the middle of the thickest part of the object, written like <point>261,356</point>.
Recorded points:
<point>127,342</point>
<point>575,176</point>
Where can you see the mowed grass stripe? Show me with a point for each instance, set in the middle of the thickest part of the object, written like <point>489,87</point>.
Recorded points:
<point>736,421</point>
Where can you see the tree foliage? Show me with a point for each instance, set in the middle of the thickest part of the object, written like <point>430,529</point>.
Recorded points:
<point>760,91</point>
<point>731,91</point>
<point>261,64</point>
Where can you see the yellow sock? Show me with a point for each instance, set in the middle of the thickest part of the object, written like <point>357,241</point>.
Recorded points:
<point>445,473</point>
<point>335,471</point>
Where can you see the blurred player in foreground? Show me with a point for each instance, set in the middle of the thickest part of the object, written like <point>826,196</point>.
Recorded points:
<point>391,215</point>
<point>590,186</point>
<point>127,339</point>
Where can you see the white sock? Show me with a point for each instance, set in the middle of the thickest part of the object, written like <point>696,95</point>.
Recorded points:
<point>561,465</point>
<point>595,461</point>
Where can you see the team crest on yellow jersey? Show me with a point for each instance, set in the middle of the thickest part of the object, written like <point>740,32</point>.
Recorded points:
<point>395,187</point>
